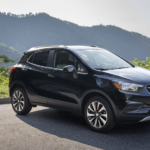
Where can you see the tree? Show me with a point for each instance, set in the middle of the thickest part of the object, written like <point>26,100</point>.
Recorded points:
<point>5,59</point>
<point>144,64</point>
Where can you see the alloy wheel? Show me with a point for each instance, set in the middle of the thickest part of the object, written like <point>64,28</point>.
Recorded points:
<point>97,114</point>
<point>18,101</point>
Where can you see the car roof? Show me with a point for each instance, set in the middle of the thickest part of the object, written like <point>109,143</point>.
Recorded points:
<point>70,47</point>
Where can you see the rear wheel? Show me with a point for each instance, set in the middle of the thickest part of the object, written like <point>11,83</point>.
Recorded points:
<point>20,101</point>
<point>99,114</point>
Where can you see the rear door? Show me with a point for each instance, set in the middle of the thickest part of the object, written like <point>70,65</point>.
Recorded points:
<point>36,76</point>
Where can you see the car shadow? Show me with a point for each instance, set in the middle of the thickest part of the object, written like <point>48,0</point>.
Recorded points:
<point>73,127</point>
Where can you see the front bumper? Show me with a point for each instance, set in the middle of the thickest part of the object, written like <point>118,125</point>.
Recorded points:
<point>135,112</point>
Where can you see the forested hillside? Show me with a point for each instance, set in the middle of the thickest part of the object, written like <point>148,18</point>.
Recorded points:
<point>10,52</point>
<point>26,31</point>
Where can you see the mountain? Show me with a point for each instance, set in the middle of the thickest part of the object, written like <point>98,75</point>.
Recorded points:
<point>25,31</point>
<point>10,52</point>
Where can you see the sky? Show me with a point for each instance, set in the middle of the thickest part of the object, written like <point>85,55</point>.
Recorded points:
<point>131,15</point>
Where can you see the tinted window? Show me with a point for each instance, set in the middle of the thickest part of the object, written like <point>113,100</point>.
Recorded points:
<point>24,58</point>
<point>63,58</point>
<point>31,58</point>
<point>41,58</point>
<point>80,67</point>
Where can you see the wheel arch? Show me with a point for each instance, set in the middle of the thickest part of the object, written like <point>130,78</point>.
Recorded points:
<point>92,93</point>
<point>14,85</point>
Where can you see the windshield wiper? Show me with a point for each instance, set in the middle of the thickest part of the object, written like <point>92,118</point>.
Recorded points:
<point>123,67</point>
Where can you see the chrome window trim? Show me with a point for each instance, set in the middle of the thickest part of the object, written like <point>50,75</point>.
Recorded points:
<point>37,65</point>
<point>29,58</point>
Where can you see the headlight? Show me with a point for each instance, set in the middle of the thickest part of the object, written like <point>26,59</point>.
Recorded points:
<point>128,86</point>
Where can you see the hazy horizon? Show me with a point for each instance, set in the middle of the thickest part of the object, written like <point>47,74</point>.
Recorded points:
<point>129,15</point>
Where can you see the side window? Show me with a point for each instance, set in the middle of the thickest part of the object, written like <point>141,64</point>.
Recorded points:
<point>40,58</point>
<point>31,58</point>
<point>24,58</point>
<point>63,58</point>
<point>80,67</point>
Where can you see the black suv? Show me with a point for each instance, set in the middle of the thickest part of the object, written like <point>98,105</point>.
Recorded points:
<point>87,80</point>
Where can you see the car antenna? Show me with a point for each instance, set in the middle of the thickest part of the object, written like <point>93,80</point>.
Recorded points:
<point>93,45</point>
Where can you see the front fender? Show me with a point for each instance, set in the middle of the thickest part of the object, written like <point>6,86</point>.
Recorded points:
<point>95,91</point>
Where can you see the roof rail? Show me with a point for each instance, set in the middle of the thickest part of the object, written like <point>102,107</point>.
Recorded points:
<point>44,47</point>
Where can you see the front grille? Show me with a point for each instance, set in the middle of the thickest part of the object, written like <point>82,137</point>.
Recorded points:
<point>148,88</point>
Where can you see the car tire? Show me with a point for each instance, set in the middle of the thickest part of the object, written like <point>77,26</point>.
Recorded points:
<point>20,101</point>
<point>99,115</point>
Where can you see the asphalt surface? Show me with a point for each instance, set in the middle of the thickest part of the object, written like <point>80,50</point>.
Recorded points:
<point>49,129</point>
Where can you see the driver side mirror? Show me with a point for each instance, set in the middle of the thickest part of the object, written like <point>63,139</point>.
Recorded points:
<point>71,69</point>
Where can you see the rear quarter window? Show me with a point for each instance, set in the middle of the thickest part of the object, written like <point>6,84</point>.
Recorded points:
<point>24,58</point>
<point>31,58</point>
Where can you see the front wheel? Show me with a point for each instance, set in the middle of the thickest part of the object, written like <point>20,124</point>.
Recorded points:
<point>20,101</point>
<point>99,114</point>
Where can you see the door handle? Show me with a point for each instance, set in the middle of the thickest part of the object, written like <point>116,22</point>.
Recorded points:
<point>51,76</point>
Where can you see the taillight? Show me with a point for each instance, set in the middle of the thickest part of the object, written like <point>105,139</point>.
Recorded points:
<point>12,69</point>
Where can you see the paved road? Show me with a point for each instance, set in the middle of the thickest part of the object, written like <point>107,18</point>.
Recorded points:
<point>50,129</point>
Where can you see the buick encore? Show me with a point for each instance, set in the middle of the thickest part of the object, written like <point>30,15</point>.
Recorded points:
<point>86,80</point>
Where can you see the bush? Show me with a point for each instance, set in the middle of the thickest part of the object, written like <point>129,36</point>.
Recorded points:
<point>144,64</point>
<point>4,71</point>
<point>4,90</point>
<point>3,79</point>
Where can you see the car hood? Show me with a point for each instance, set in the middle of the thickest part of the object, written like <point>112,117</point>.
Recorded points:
<point>136,74</point>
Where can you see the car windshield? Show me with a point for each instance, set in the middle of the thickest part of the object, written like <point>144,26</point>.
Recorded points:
<point>102,59</point>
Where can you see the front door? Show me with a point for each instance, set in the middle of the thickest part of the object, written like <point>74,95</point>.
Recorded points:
<point>63,88</point>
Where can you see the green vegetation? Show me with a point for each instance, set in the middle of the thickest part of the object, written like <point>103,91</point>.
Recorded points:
<point>4,91</point>
<point>144,64</point>
<point>8,52</point>
<point>4,75</point>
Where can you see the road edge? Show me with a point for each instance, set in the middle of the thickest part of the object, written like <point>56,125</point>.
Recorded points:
<point>5,100</point>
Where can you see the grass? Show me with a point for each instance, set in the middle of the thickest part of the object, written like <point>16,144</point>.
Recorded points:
<point>4,91</point>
